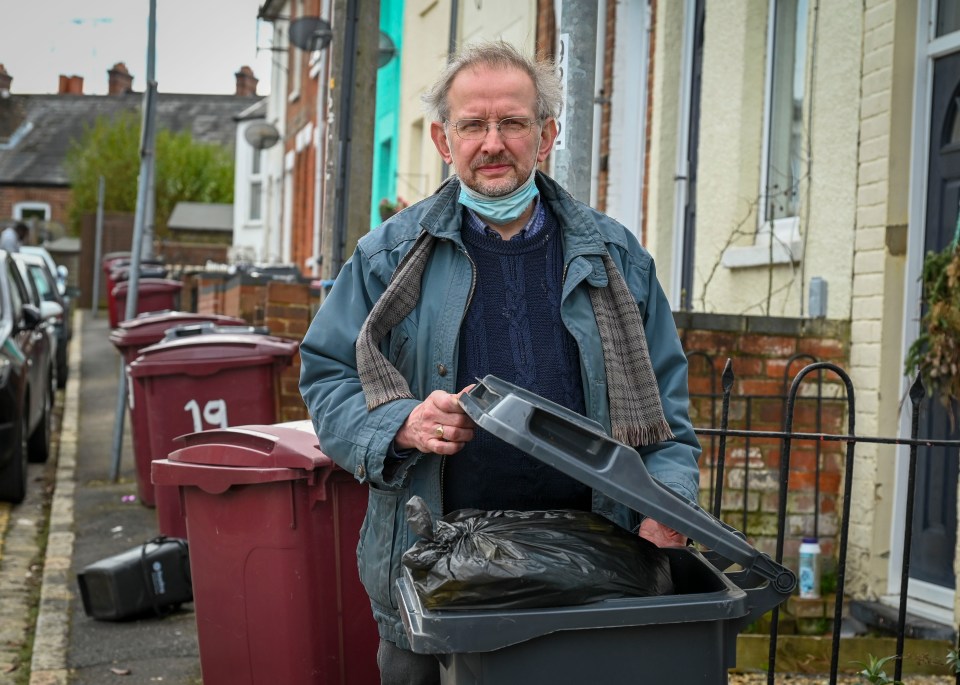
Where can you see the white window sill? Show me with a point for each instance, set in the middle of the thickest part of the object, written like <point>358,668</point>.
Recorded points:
<point>761,255</point>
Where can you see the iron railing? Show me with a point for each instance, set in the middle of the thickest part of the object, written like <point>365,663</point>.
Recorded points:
<point>716,437</point>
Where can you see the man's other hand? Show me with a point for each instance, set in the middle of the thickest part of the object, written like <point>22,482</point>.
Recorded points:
<point>661,535</point>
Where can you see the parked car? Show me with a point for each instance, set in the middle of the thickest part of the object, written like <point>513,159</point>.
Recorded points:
<point>27,378</point>
<point>44,284</point>
<point>60,272</point>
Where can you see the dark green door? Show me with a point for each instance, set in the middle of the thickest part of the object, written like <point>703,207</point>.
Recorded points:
<point>935,515</point>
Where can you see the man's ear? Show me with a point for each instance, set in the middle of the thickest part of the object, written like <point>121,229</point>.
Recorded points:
<point>439,136</point>
<point>548,134</point>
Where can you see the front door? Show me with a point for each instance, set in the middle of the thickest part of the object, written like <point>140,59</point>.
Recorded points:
<point>935,513</point>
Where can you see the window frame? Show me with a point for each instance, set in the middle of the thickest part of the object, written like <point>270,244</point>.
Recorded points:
<point>777,240</point>
<point>31,205</point>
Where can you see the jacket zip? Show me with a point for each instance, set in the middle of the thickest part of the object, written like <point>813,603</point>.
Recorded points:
<point>473,286</point>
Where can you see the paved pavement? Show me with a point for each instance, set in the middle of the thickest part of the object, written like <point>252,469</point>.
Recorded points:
<point>89,521</point>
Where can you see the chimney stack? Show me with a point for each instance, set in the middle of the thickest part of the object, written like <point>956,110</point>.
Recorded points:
<point>246,82</point>
<point>121,81</point>
<point>70,85</point>
<point>5,80</point>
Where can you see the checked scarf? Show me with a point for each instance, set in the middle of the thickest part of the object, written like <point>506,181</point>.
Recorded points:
<point>636,414</point>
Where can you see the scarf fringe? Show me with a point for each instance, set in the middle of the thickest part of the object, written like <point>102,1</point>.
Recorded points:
<point>642,434</point>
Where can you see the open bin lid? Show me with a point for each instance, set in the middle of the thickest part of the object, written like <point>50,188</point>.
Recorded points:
<point>150,327</point>
<point>580,448</point>
<point>204,355</point>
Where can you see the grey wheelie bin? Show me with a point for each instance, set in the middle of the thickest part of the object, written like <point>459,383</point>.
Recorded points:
<point>684,638</point>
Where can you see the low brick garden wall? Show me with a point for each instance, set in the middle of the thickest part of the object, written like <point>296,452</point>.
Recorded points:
<point>766,354</point>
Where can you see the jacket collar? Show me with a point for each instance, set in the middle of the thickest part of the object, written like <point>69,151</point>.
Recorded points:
<point>581,236</point>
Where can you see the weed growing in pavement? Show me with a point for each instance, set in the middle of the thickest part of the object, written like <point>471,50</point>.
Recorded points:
<point>874,673</point>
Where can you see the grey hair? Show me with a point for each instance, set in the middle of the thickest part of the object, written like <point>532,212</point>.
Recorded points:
<point>499,55</point>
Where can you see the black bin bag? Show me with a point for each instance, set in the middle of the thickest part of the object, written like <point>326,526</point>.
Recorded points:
<point>526,559</point>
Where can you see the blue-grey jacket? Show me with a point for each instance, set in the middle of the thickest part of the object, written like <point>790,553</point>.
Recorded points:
<point>424,349</point>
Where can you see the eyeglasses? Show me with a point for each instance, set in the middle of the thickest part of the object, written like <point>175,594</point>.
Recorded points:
<point>511,127</point>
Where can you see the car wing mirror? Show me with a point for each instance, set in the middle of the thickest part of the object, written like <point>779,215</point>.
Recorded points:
<point>51,310</point>
<point>30,317</point>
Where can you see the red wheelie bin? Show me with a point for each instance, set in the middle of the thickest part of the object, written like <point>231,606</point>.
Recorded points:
<point>153,295</point>
<point>129,338</point>
<point>202,382</point>
<point>273,527</point>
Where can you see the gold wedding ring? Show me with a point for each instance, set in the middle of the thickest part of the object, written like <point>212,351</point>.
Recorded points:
<point>438,431</point>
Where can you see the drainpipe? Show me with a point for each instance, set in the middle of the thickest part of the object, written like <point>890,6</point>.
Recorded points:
<point>681,175</point>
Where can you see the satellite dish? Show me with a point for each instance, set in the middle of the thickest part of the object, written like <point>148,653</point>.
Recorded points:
<point>262,135</point>
<point>386,50</point>
<point>310,33</point>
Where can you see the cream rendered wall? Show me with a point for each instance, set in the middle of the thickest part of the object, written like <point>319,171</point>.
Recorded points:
<point>730,161</point>
<point>426,31</point>
<point>731,126</point>
<point>513,21</point>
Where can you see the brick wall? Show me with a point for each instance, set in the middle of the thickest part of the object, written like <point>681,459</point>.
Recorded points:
<point>284,308</point>
<point>57,198</point>
<point>288,311</point>
<point>760,350</point>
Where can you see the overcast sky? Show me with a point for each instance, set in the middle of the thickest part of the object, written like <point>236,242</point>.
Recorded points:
<point>200,43</point>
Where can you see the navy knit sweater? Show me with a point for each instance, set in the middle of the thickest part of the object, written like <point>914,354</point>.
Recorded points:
<point>513,330</point>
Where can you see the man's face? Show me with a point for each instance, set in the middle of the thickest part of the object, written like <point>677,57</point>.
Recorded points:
<point>493,165</point>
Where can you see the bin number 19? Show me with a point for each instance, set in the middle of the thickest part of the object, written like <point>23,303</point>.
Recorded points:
<point>214,413</point>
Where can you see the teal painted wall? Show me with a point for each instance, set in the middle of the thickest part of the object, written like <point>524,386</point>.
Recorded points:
<point>387,114</point>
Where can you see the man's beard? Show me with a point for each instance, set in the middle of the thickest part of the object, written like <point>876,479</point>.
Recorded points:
<point>497,188</point>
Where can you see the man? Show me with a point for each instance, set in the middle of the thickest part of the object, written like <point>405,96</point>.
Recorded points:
<point>500,272</point>
<point>12,237</point>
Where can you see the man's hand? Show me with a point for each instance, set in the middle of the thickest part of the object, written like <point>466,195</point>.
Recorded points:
<point>660,535</point>
<point>438,425</point>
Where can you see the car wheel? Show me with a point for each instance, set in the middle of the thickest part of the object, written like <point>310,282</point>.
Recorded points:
<point>38,447</point>
<point>13,476</point>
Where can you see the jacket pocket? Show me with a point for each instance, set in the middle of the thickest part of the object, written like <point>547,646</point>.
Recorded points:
<point>401,353</point>
<point>383,540</point>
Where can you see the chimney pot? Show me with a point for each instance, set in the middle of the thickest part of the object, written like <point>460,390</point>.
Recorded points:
<point>70,85</point>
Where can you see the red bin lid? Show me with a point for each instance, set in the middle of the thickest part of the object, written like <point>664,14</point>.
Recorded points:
<point>149,328</point>
<point>215,460</point>
<point>291,445</point>
<point>151,285</point>
<point>204,355</point>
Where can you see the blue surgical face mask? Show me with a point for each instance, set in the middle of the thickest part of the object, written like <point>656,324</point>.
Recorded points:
<point>501,210</point>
